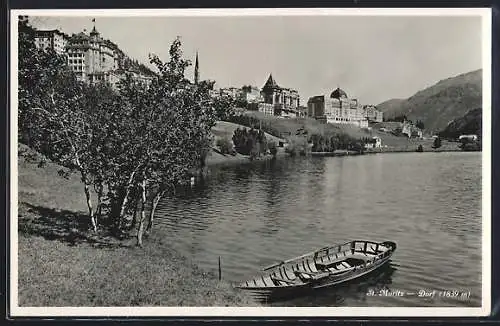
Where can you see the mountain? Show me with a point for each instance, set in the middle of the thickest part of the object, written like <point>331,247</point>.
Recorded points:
<point>439,104</point>
<point>391,107</point>
<point>469,124</point>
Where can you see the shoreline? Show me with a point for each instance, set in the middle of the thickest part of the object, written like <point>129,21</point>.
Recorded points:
<point>241,159</point>
<point>62,263</point>
<point>222,160</point>
<point>55,245</point>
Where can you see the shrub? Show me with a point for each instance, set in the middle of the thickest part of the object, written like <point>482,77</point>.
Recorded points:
<point>249,142</point>
<point>470,145</point>
<point>225,145</point>
<point>298,146</point>
<point>437,143</point>
<point>273,149</point>
<point>327,143</point>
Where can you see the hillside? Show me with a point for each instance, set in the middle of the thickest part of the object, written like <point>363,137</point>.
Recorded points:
<point>470,123</point>
<point>224,129</point>
<point>62,264</point>
<point>391,107</point>
<point>439,104</point>
<point>291,125</point>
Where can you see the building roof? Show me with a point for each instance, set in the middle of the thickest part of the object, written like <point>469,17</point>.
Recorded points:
<point>80,36</point>
<point>42,33</point>
<point>318,98</point>
<point>338,93</point>
<point>270,83</point>
<point>94,31</point>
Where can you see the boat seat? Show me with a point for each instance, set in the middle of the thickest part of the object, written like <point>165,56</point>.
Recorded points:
<point>312,266</point>
<point>336,271</point>
<point>280,282</point>
<point>289,274</point>
<point>346,264</point>
<point>305,277</point>
<point>324,265</point>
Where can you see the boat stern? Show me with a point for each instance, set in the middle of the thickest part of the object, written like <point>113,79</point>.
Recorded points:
<point>390,244</point>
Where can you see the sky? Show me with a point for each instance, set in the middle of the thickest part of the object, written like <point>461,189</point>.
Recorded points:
<point>372,58</point>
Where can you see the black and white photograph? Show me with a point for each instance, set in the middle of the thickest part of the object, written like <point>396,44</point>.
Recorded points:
<point>250,162</point>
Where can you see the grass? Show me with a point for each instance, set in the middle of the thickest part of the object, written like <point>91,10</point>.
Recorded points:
<point>290,125</point>
<point>393,143</point>
<point>226,129</point>
<point>62,264</point>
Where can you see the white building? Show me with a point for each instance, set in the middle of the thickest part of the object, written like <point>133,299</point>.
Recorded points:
<point>371,113</point>
<point>51,39</point>
<point>468,137</point>
<point>410,130</point>
<point>266,108</point>
<point>337,108</point>
<point>92,57</point>
<point>250,94</point>
<point>376,143</point>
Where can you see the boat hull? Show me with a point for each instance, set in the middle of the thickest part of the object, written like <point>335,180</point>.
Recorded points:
<point>319,269</point>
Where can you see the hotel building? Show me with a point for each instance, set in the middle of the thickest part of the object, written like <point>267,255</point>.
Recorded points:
<point>337,108</point>
<point>285,98</point>
<point>51,39</point>
<point>91,57</point>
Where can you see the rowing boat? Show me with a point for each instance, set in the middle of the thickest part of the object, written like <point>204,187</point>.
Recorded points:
<point>325,267</point>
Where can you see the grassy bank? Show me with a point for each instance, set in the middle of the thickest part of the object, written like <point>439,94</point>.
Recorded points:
<point>62,264</point>
<point>391,143</point>
<point>224,129</point>
<point>290,126</point>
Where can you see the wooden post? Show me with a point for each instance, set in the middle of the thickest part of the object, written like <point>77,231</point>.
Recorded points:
<point>220,271</point>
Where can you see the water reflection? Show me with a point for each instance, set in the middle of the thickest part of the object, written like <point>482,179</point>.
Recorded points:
<point>257,214</point>
<point>346,293</point>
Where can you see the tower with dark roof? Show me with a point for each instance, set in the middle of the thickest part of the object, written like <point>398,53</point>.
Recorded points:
<point>285,98</point>
<point>270,84</point>
<point>196,70</point>
<point>94,32</point>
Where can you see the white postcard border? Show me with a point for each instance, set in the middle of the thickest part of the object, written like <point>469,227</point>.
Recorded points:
<point>484,310</point>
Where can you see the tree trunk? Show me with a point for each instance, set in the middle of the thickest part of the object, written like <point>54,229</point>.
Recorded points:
<point>86,190</point>
<point>98,209</point>
<point>89,205</point>
<point>134,216</point>
<point>156,200</point>
<point>124,200</point>
<point>140,230</point>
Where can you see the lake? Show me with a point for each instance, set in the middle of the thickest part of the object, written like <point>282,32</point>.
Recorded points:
<point>257,214</point>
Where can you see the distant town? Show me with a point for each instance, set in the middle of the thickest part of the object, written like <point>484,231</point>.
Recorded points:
<point>94,58</point>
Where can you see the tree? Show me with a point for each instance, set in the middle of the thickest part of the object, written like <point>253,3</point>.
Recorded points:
<point>189,112</point>
<point>420,124</point>
<point>132,146</point>
<point>225,145</point>
<point>437,143</point>
<point>52,111</point>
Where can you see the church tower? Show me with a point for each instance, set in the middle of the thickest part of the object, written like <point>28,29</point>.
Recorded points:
<point>196,70</point>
